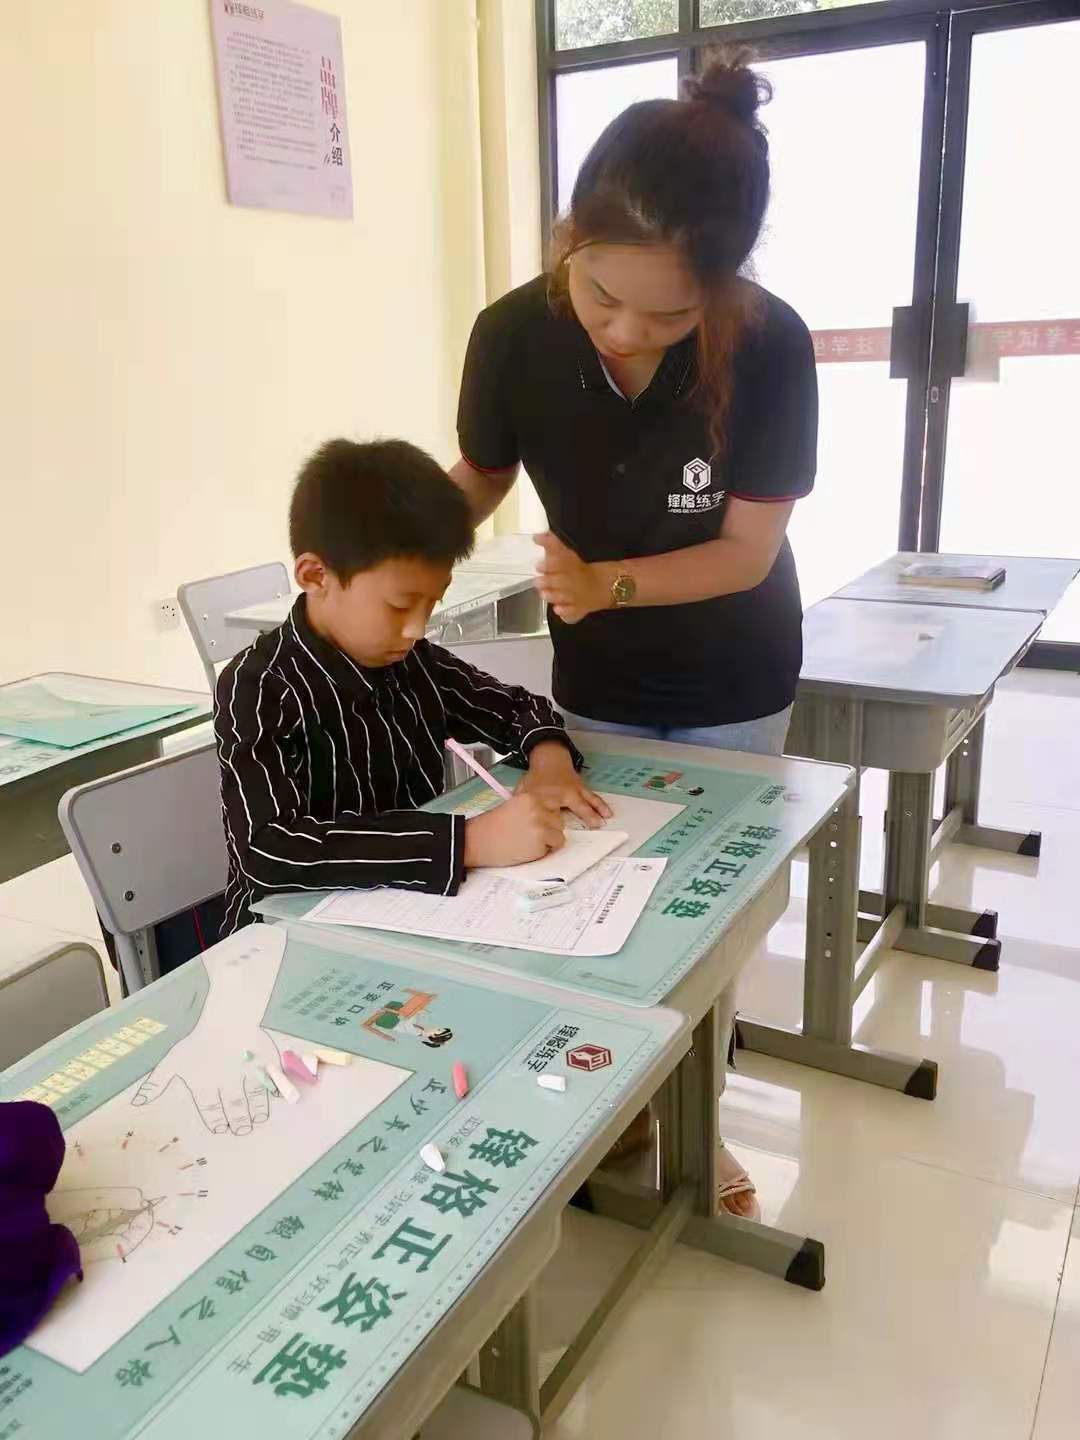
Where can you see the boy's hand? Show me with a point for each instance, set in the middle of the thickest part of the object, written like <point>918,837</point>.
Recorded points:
<point>552,777</point>
<point>528,827</point>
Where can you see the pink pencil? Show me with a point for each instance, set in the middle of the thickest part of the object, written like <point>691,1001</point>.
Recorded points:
<point>478,769</point>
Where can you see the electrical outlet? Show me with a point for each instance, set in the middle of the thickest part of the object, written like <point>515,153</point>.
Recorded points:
<point>167,614</point>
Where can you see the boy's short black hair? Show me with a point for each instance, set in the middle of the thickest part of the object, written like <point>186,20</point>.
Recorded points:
<point>357,505</point>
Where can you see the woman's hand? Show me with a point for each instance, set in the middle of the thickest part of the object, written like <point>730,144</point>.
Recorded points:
<point>570,586</point>
<point>552,778</point>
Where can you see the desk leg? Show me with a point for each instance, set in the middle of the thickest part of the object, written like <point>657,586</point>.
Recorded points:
<point>908,857</point>
<point>508,1362</point>
<point>831,729</point>
<point>689,1146</point>
<point>963,775</point>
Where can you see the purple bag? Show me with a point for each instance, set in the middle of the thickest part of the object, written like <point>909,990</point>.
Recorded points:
<point>37,1258</point>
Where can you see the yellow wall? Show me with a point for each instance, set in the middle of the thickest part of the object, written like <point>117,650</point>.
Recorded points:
<point>166,360</point>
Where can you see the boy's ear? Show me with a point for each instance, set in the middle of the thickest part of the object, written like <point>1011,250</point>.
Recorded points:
<point>311,574</point>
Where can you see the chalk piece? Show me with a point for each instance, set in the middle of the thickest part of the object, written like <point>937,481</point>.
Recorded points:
<point>432,1157</point>
<point>294,1066</point>
<point>248,1055</point>
<point>333,1057</point>
<point>285,1088</point>
<point>461,1080</point>
<point>265,1076</point>
<point>552,1082</point>
<point>925,635</point>
<point>312,1063</point>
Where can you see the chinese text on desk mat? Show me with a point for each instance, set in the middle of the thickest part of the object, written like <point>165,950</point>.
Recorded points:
<point>722,849</point>
<point>269,1277</point>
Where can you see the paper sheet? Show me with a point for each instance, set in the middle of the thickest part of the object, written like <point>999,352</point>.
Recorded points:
<point>583,850</point>
<point>639,819</point>
<point>606,903</point>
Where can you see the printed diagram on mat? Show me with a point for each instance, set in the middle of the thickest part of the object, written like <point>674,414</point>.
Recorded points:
<point>161,1176</point>
<point>112,1221</point>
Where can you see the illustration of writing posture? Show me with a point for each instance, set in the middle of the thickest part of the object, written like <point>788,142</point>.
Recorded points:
<point>228,1092</point>
<point>107,1221</point>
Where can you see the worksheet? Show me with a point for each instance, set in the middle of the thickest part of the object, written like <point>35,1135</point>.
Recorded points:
<point>603,907</point>
<point>638,819</point>
<point>583,849</point>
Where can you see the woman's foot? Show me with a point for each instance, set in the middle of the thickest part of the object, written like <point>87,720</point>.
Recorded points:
<point>735,1191</point>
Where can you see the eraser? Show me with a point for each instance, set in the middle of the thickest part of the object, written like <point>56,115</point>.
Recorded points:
<point>432,1157</point>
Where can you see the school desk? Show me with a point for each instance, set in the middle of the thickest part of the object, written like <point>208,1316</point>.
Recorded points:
<point>34,776</point>
<point>1032,582</point>
<point>255,1267</point>
<point>904,688</point>
<point>728,856</point>
<point>477,606</point>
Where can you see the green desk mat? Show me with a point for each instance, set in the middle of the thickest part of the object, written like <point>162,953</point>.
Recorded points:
<point>295,1324</point>
<point>36,713</point>
<point>734,835</point>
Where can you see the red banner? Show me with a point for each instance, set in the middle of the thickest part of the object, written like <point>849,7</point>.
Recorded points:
<point>1005,339</point>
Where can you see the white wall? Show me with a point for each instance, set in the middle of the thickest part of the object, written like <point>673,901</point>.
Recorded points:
<point>167,360</point>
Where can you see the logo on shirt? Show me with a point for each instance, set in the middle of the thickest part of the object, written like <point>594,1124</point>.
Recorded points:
<point>696,478</point>
<point>697,475</point>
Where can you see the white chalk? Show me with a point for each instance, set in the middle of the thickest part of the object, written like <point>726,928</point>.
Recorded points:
<point>432,1157</point>
<point>552,1082</point>
<point>285,1088</point>
<point>312,1063</point>
<point>332,1057</point>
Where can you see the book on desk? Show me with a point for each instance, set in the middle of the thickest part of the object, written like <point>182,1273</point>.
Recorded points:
<point>963,575</point>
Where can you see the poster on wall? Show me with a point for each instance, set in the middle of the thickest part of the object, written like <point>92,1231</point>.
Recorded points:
<point>281,93</point>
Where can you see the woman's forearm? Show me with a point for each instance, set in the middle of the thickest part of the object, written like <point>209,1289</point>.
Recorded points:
<point>485,490</point>
<point>700,572</point>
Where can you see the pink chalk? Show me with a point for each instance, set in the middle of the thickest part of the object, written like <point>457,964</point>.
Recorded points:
<point>461,1080</point>
<point>294,1066</point>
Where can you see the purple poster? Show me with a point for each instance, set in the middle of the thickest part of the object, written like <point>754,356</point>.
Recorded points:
<point>281,89</point>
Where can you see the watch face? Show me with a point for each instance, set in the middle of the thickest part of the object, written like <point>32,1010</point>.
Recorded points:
<point>623,590</point>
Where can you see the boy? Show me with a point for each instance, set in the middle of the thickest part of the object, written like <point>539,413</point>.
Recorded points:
<point>331,729</point>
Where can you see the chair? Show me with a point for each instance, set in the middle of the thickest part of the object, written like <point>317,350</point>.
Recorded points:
<point>150,845</point>
<point>205,603</point>
<point>45,988</point>
<point>465,1414</point>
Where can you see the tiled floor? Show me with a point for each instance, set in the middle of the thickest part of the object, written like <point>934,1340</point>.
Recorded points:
<point>952,1308</point>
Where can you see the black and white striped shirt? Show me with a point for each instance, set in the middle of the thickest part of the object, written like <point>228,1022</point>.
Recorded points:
<point>324,763</point>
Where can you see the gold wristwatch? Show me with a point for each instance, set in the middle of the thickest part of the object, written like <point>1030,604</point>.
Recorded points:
<point>623,590</point>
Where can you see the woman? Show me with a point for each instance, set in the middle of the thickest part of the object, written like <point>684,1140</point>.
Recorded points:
<point>666,410</point>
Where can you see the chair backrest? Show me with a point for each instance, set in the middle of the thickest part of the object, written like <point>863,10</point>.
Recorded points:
<point>513,659</point>
<point>205,603</point>
<point>149,843</point>
<point>45,989</point>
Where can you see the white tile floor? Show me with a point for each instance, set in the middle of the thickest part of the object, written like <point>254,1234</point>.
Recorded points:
<point>952,1305</point>
<point>952,1308</point>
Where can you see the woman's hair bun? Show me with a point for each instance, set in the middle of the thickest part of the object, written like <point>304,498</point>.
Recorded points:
<point>728,83</point>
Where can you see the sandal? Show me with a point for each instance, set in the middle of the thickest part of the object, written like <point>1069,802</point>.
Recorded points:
<point>733,1180</point>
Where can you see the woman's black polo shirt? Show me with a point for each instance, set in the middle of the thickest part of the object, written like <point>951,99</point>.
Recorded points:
<point>620,480</point>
